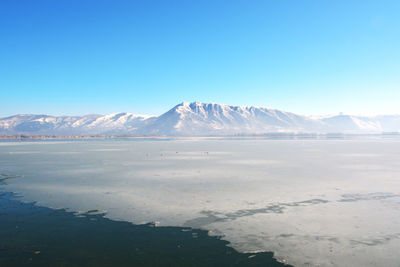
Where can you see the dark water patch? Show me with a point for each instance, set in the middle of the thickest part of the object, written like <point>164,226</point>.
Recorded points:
<point>38,236</point>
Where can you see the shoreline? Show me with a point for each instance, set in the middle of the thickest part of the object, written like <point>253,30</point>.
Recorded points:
<point>32,235</point>
<point>270,136</point>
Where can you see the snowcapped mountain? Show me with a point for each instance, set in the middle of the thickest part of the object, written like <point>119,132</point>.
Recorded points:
<point>117,123</point>
<point>196,119</point>
<point>218,119</point>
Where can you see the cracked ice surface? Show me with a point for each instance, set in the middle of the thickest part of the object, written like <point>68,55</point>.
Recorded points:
<point>311,202</point>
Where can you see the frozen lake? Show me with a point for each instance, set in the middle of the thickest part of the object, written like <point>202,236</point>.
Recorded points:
<point>311,202</point>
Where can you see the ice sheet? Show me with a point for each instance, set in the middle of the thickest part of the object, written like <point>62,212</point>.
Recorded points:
<point>312,202</point>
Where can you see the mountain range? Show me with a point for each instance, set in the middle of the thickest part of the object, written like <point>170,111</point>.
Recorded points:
<point>198,119</point>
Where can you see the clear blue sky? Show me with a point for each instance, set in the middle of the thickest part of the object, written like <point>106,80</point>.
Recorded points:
<point>92,56</point>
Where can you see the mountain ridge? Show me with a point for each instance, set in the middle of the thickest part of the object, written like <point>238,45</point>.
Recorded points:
<point>197,118</point>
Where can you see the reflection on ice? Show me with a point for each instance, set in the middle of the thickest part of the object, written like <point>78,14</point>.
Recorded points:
<point>312,202</point>
<point>212,217</point>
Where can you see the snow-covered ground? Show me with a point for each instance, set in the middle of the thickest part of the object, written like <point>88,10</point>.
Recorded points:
<point>311,202</point>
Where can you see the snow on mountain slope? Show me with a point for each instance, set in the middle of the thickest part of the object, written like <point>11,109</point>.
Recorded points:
<point>352,124</point>
<point>389,123</point>
<point>119,123</point>
<point>196,119</point>
<point>218,119</point>
<point>42,124</point>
